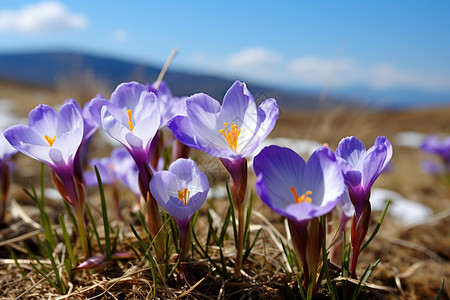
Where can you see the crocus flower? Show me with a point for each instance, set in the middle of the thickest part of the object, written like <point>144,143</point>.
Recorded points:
<point>54,138</point>
<point>132,117</point>
<point>302,192</point>
<point>181,191</point>
<point>361,168</point>
<point>6,152</point>
<point>441,148</point>
<point>230,131</point>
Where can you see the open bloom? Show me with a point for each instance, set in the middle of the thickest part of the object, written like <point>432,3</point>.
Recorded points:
<point>132,117</point>
<point>53,138</point>
<point>362,167</point>
<point>441,148</point>
<point>297,190</point>
<point>231,130</point>
<point>181,191</point>
<point>301,192</point>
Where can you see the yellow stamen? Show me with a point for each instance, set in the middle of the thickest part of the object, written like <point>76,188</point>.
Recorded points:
<point>326,145</point>
<point>184,196</point>
<point>303,197</point>
<point>232,135</point>
<point>50,140</point>
<point>130,123</point>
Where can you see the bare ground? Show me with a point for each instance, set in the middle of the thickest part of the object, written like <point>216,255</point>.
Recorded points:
<point>414,260</point>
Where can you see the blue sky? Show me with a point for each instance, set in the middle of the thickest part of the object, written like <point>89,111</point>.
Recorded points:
<point>377,45</point>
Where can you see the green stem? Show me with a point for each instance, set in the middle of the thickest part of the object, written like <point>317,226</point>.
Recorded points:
<point>82,234</point>
<point>240,244</point>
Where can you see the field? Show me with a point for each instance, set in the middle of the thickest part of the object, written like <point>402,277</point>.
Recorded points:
<point>414,259</point>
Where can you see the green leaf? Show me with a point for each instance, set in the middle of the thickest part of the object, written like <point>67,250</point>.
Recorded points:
<point>104,215</point>
<point>67,239</point>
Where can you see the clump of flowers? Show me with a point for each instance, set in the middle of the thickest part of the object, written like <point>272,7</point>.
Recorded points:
<point>305,192</point>
<point>230,131</point>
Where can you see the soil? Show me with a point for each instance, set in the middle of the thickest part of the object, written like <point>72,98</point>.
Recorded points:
<point>414,260</point>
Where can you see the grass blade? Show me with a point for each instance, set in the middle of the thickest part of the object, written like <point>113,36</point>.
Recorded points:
<point>104,215</point>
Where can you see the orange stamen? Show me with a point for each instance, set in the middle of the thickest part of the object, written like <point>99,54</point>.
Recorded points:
<point>50,140</point>
<point>303,197</point>
<point>130,123</point>
<point>232,135</point>
<point>184,196</point>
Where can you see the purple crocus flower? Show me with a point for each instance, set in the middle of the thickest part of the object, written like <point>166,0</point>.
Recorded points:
<point>231,131</point>
<point>133,118</point>
<point>6,166</point>
<point>433,145</point>
<point>181,191</point>
<point>54,138</point>
<point>297,190</point>
<point>302,192</point>
<point>361,168</point>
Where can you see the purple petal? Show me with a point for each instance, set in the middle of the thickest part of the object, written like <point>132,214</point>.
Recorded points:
<point>27,141</point>
<point>43,120</point>
<point>278,170</point>
<point>351,149</point>
<point>267,115</point>
<point>127,95</point>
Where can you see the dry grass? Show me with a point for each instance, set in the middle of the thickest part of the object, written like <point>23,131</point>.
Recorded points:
<point>414,260</point>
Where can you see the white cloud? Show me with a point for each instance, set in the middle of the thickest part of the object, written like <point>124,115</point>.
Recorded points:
<point>385,75</point>
<point>120,35</point>
<point>258,63</point>
<point>254,57</point>
<point>42,17</point>
<point>319,71</point>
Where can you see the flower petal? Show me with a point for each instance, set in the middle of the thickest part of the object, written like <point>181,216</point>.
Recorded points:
<point>351,149</point>
<point>43,120</point>
<point>127,94</point>
<point>278,169</point>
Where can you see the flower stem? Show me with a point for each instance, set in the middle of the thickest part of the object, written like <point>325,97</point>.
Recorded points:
<point>240,244</point>
<point>154,224</point>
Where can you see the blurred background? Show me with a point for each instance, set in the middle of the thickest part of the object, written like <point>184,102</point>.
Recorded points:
<point>374,54</point>
<point>362,68</point>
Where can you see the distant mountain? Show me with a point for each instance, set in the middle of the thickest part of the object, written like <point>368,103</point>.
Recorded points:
<point>47,68</point>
